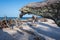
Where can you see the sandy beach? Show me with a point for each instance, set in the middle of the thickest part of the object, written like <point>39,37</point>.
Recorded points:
<point>41,30</point>
<point>29,19</point>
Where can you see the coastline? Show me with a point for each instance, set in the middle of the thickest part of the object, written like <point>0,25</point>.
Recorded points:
<point>27,30</point>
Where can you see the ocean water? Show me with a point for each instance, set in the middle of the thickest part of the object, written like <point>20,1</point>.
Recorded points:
<point>23,18</point>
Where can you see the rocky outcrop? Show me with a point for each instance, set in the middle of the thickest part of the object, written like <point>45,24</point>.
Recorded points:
<point>48,9</point>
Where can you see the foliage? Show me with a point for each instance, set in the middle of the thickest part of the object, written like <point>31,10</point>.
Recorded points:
<point>49,9</point>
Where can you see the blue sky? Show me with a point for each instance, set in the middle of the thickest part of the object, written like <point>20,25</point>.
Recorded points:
<point>10,8</point>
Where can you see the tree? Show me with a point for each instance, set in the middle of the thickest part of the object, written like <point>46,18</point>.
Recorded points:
<point>48,9</point>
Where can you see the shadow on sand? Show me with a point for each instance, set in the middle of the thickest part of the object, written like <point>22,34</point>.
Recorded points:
<point>33,36</point>
<point>54,33</point>
<point>5,36</point>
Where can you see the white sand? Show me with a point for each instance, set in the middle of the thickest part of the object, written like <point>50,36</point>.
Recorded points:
<point>48,30</point>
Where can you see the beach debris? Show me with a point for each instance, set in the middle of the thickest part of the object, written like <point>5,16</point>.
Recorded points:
<point>4,24</point>
<point>34,18</point>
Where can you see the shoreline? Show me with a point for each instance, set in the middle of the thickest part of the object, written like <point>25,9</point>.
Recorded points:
<point>32,31</point>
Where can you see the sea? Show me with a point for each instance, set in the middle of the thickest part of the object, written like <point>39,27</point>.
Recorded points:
<point>23,18</point>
